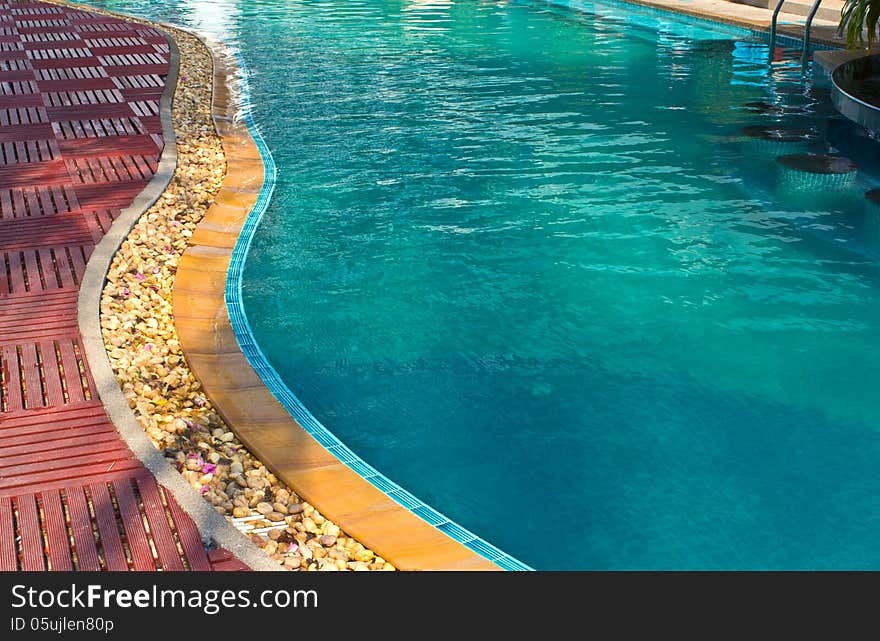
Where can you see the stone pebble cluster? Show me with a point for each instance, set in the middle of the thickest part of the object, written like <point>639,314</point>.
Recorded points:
<point>138,330</point>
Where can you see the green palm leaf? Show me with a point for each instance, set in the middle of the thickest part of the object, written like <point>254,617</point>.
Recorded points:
<point>858,20</point>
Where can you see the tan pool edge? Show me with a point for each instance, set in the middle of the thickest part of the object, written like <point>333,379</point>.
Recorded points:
<point>239,394</point>
<point>748,16</point>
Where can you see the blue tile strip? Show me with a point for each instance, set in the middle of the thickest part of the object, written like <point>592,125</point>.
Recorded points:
<point>312,425</point>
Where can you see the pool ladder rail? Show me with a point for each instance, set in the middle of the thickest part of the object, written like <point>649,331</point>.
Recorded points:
<point>807,26</point>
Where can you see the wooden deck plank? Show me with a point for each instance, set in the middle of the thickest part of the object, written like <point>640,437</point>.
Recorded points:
<point>48,265</point>
<point>85,411</point>
<point>8,555</point>
<point>16,271</point>
<point>57,539</point>
<point>62,456</point>
<point>64,439</point>
<point>138,543</point>
<point>65,475</point>
<point>166,548</point>
<point>105,515</point>
<point>12,376</point>
<point>51,373</point>
<point>79,263</point>
<point>189,537</point>
<point>71,372</point>
<point>31,368</point>
<point>63,266</point>
<point>81,526</point>
<point>31,533</point>
<point>4,275</point>
<point>32,463</point>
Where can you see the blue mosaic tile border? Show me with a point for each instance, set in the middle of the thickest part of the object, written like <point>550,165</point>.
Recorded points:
<point>288,399</point>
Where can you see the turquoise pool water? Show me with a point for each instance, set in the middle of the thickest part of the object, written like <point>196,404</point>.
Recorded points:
<point>522,260</point>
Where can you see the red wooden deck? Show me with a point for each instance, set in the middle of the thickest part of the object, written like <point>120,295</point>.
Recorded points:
<point>80,137</point>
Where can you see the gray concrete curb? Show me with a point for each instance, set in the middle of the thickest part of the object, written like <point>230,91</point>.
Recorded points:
<point>213,527</point>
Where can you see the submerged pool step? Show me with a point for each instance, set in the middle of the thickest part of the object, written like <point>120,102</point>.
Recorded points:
<point>777,141</point>
<point>816,172</point>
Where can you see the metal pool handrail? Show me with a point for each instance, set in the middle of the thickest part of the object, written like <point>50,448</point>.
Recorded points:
<point>773,26</point>
<point>807,26</point>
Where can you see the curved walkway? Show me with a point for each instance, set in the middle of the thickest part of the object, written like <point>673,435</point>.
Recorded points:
<point>80,138</point>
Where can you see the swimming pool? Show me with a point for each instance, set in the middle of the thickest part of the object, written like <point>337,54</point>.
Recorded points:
<point>525,261</point>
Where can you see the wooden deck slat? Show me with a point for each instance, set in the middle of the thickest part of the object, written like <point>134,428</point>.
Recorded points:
<point>139,544</point>
<point>57,539</point>
<point>71,372</point>
<point>48,265</point>
<point>33,386</point>
<point>54,391</point>
<point>8,555</point>
<point>163,538</point>
<point>81,411</point>
<point>12,376</point>
<point>30,530</point>
<point>81,525</point>
<point>105,515</point>
<point>38,331</point>
<point>79,264</point>
<point>35,465</point>
<point>33,272</point>
<point>62,457</point>
<point>100,472</point>
<point>16,270</point>
<point>189,536</point>
<point>63,265</point>
<point>66,475</point>
<point>57,441</point>
<point>57,436</point>
<point>4,276</point>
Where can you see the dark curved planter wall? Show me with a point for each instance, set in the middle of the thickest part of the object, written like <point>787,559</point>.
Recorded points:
<point>856,91</point>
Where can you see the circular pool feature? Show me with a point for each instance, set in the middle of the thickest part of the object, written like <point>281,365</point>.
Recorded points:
<point>509,264</point>
<point>856,90</point>
<point>776,141</point>
<point>819,164</point>
<point>873,196</point>
<point>816,172</point>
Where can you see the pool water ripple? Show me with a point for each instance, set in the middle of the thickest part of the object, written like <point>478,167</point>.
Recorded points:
<point>522,260</point>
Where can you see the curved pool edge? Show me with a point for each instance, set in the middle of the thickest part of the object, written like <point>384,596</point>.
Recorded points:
<point>219,346</point>
<point>256,376</point>
<point>847,99</point>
